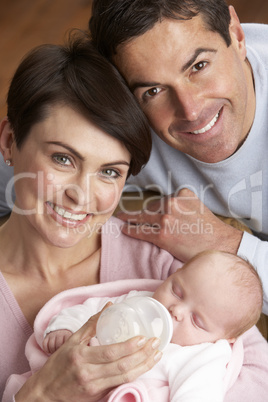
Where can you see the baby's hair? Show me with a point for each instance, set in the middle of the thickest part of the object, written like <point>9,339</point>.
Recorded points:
<point>248,283</point>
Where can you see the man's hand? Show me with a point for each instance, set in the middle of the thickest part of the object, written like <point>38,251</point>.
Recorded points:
<point>182,225</point>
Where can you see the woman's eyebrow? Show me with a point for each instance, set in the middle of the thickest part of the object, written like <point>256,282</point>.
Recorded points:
<point>78,155</point>
<point>116,163</point>
<point>70,149</point>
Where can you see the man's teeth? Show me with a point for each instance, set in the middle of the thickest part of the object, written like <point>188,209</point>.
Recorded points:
<point>66,214</point>
<point>208,126</point>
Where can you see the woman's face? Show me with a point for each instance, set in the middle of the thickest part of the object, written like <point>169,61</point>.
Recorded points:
<point>69,176</point>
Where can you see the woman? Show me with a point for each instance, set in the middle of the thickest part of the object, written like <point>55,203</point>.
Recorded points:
<point>73,134</point>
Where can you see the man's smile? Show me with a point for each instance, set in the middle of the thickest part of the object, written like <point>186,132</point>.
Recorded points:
<point>208,126</point>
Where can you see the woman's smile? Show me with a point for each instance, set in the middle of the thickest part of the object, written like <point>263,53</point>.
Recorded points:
<point>64,216</point>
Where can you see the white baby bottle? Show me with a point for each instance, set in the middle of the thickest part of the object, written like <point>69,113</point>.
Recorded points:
<point>138,315</point>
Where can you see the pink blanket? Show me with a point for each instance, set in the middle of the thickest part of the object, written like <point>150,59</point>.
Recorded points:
<point>136,391</point>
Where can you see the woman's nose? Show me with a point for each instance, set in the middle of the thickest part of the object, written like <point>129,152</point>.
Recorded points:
<point>75,194</point>
<point>80,191</point>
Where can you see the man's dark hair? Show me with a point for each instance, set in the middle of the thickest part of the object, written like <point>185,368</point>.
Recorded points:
<point>114,22</point>
<point>76,75</point>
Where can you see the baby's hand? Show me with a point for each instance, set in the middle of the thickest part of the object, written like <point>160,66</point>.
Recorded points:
<point>55,339</point>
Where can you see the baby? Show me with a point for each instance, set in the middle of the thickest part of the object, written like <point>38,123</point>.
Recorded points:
<point>212,300</point>
<point>214,296</point>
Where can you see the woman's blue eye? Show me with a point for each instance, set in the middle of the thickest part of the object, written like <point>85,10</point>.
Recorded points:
<point>62,159</point>
<point>110,173</point>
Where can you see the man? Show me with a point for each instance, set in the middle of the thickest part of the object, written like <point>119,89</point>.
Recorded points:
<point>204,90</point>
<point>205,95</point>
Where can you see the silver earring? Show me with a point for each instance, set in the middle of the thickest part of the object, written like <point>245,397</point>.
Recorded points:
<point>8,162</point>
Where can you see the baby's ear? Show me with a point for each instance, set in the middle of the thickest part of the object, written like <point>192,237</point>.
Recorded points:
<point>231,340</point>
<point>6,139</point>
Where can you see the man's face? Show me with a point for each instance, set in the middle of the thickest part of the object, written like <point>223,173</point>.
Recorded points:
<point>197,93</point>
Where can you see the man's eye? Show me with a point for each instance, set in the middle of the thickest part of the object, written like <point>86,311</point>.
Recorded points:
<point>199,66</point>
<point>62,160</point>
<point>152,91</point>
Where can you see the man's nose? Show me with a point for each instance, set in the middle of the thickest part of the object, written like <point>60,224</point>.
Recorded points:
<point>188,102</point>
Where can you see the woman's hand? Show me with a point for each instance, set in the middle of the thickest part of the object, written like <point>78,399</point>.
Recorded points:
<point>78,372</point>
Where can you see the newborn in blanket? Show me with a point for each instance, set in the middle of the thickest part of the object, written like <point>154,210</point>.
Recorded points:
<point>204,299</point>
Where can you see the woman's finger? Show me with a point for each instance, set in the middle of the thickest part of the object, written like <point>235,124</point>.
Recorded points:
<point>88,330</point>
<point>137,349</point>
<point>124,370</point>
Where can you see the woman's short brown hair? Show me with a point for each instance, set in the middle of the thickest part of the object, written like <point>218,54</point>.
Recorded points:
<point>76,75</point>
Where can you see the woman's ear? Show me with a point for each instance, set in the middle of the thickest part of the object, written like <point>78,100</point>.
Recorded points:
<point>6,139</point>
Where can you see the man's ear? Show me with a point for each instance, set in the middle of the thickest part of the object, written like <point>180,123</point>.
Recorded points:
<point>237,33</point>
<point>6,139</point>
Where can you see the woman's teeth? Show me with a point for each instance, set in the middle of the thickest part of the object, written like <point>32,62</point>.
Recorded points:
<point>208,126</point>
<point>66,214</point>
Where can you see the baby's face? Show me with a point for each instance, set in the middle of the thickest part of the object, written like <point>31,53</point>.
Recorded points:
<point>202,301</point>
